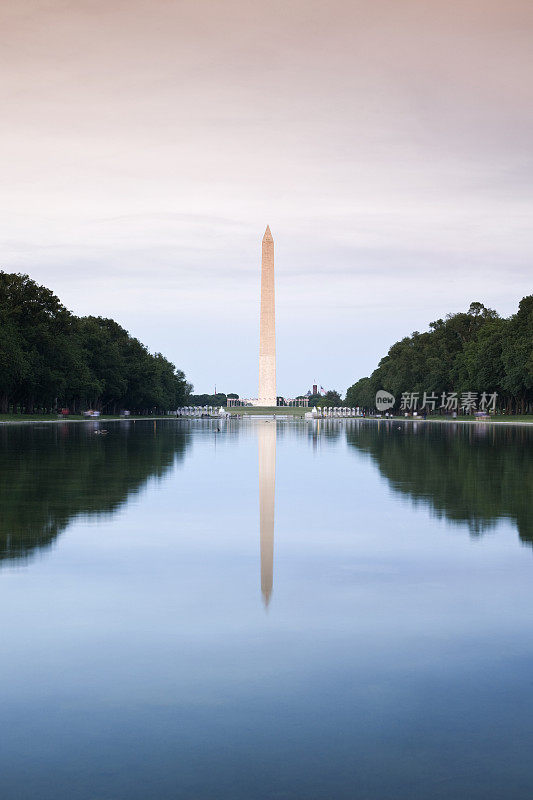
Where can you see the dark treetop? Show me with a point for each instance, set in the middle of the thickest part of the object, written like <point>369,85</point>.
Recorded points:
<point>476,351</point>
<point>51,359</point>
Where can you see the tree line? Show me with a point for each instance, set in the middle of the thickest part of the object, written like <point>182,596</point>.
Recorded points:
<point>474,351</point>
<point>51,359</point>
<point>331,399</point>
<point>218,399</point>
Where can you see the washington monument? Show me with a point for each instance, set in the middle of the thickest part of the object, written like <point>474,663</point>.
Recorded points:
<point>267,326</point>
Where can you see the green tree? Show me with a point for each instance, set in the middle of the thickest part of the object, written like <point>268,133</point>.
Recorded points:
<point>470,351</point>
<point>331,399</point>
<point>517,358</point>
<point>361,394</point>
<point>13,360</point>
<point>49,358</point>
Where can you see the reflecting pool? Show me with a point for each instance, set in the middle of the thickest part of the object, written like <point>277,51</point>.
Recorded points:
<point>332,610</point>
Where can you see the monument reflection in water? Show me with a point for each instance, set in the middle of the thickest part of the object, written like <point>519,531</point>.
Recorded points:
<point>266,437</point>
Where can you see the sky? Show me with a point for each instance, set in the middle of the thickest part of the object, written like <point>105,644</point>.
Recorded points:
<point>146,144</point>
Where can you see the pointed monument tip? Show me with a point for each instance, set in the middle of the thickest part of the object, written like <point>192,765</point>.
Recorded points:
<point>267,235</point>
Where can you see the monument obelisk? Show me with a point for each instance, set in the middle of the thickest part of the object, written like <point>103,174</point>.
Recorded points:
<point>267,326</point>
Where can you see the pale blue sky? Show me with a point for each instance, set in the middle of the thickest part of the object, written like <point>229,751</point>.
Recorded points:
<point>387,145</point>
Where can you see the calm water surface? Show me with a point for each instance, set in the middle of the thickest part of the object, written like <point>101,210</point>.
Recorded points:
<point>269,610</point>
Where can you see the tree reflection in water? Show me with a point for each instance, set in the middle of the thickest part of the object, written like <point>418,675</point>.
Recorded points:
<point>472,474</point>
<point>51,474</point>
